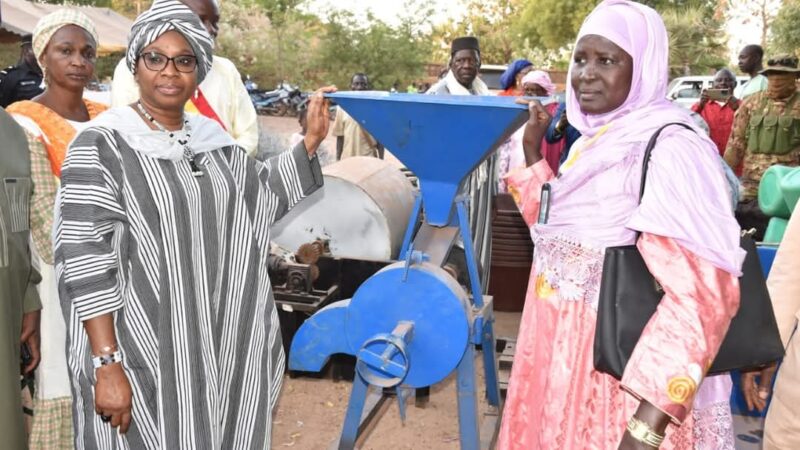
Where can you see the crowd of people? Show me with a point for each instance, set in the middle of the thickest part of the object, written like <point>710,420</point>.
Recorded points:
<point>134,239</point>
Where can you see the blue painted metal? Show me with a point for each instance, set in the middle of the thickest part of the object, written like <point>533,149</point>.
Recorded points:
<point>432,300</point>
<point>352,419</point>
<point>412,225</point>
<point>469,426</point>
<point>319,338</point>
<point>383,360</point>
<point>440,138</point>
<point>469,252</point>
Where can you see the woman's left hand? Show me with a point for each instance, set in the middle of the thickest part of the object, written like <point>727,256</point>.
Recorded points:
<point>318,117</point>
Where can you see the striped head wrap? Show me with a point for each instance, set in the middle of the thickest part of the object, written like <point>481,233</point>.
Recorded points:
<point>170,15</point>
<point>48,25</point>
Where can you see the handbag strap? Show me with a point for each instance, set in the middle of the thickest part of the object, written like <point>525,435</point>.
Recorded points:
<point>646,159</point>
<point>649,149</point>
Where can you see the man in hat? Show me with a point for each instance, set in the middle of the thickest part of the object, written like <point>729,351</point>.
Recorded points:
<point>19,320</point>
<point>766,131</point>
<point>24,80</point>
<point>221,96</point>
<point>462,78</point>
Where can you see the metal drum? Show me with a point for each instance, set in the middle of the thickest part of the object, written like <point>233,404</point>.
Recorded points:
<point>362,209</point>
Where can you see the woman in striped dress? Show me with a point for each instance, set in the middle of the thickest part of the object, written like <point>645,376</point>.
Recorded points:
<point>161,241</point>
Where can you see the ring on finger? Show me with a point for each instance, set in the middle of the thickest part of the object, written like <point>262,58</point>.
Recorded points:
<point>105,418</point>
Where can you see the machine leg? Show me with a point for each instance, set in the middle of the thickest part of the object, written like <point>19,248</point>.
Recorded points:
<point>358,396</point>
<point>490,364</point>
<point>468,402</point>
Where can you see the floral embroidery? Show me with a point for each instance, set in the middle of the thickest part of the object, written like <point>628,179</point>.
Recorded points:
<point>544,289</point>
<point>680,388</point>
<point>569,269</point>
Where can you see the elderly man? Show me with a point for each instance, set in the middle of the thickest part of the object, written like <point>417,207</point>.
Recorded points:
<point>751,62</point>
<point>718,113</point>
<point>462,78</point>
<point>221,96</point>
<point>351,139</point>
<point>19,320</point>
<point>765,133</point>
<point>23,81</point>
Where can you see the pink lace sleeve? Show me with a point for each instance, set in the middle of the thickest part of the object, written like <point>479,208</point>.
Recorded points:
<point>525,186</point>
<point>682,338</point>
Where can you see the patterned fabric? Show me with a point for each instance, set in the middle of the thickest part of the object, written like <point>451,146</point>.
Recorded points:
<point>181,263</point>
<point>47,141</point>
<point>170,15</point>
<point>556,400</point>
<point>47,26</point>
<point>52,425</point>
<point>753,159</point>
<point>56,130</point>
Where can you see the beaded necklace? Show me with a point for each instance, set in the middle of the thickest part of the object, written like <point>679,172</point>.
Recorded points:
<point>187,132</point>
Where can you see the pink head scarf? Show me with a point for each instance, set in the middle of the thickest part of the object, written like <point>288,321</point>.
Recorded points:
<point>639,31</point>
<point>541,78</point>
<point>687,197</point>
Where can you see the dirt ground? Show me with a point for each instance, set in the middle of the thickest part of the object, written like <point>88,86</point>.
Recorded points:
<point>310,412</point>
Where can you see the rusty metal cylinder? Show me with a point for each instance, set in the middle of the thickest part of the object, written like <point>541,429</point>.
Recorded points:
<point>362,210</point>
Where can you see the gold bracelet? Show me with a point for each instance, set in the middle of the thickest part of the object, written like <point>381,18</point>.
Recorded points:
<point>642,432</point>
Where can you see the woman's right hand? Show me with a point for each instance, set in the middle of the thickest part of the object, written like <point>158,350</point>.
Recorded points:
<point>535,129</point>
<point>113,396</point>
<point>756,394</point>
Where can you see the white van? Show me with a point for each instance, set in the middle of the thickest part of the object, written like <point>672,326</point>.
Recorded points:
<point>685,91</point>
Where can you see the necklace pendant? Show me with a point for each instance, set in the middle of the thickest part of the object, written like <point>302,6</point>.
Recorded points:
<point>196,172</point>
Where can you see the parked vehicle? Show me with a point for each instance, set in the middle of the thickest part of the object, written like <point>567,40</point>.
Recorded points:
<point>490,74</point>
<point>284,100</point>
<point>685,91</point>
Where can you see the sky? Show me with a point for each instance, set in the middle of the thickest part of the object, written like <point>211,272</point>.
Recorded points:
<point>740,33</point>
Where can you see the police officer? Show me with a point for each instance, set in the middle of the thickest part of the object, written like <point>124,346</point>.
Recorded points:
<point>23,81</point>
<point>766,131</point>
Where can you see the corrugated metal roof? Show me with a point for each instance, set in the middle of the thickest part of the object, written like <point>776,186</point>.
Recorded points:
<point>20,17</point>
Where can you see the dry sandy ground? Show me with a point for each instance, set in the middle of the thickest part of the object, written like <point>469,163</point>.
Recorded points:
<point>310,412</point>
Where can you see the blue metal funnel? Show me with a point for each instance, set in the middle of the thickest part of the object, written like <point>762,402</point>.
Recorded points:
<point>440,138</point>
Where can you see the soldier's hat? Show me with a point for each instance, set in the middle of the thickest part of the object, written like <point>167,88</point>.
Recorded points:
<point>781,64</point>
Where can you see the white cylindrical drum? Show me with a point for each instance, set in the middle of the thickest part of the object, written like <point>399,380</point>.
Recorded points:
<point>362,209</point>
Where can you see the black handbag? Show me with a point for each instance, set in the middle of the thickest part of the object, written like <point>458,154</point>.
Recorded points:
<point>629,296</point>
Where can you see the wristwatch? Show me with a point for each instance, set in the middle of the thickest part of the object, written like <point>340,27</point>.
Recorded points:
<point>107,359</point>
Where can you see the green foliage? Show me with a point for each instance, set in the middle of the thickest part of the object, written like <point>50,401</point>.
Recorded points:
<point>696,43</point>
<point>786,29</point>
<point>387,54</point>
<point>553,23</point>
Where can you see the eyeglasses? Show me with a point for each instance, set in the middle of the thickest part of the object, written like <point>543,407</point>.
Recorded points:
<point>156,61</point>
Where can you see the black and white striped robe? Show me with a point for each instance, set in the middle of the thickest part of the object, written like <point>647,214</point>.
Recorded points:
<point>181,262</point>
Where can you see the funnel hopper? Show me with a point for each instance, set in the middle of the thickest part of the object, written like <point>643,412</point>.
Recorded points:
<point>439,138</point>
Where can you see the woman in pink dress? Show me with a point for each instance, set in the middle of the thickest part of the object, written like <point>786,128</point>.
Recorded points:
<point>536,83</point>
<point>689,240</point>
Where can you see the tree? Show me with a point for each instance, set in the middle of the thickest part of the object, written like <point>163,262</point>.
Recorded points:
<point>785,29</point>
<point>388,54</point>
<point>553,24</point>
<point>696,43</point>
<point>758,12</point>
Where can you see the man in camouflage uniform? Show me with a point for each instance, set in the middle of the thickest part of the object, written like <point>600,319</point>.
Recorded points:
<point>766,131</point>
<point>23,81</point>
